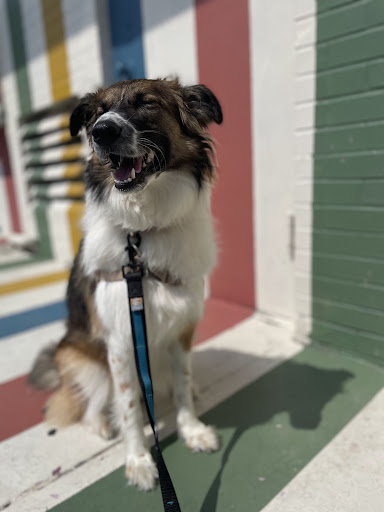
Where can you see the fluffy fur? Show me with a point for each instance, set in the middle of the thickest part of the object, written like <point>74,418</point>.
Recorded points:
<point>157,128</point>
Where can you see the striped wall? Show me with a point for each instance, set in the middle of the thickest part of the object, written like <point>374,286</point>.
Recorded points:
<point>348,213</point>
<point>52,51</point>
<point>298,201</point>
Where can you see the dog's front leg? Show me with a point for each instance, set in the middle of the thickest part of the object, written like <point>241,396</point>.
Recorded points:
<point>140,468</point>
<point>197,436</point>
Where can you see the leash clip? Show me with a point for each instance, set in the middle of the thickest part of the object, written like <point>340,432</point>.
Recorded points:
<point>135,260</point>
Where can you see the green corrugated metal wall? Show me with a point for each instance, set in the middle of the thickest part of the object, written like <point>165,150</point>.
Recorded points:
<point>348,220</point>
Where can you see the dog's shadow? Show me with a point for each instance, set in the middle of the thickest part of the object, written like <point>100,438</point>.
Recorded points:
<point>299,389</point>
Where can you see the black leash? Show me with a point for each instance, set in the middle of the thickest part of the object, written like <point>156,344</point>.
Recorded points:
<point>133,274</point>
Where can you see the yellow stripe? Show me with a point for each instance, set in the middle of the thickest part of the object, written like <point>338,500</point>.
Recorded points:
<point>33,282</point>
<point>76,189</point>
<point>72,152</point>
<point>64,123</point>
<point>65,136</point>
<point>72,171</point>
<point>75,214</point>
<point>57,54</point>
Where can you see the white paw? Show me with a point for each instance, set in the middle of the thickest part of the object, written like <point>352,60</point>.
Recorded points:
<point>200,438</point>
<point>141,471</point>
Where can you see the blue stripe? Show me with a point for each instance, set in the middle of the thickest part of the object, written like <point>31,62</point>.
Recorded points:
<point>14,324</point>
<point>138,327</point>
<point>127,43</point>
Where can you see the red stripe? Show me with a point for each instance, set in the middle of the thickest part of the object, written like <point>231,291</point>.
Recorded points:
<point>224,66</point>
<point>4,158</point>
<point>21,406</point>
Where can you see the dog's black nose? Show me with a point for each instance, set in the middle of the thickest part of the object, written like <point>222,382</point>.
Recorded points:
<point>106,132</point>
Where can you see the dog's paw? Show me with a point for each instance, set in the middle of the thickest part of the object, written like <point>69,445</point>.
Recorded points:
<point>141,471</point>
<point>104,427</point>
<point>200,438</point>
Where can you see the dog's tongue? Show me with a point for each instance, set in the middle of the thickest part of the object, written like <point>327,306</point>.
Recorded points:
<point>126,166</point>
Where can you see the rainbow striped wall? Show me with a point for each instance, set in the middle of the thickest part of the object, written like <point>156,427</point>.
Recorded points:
<point>46,47</point>
<point>60,54</point>
<point>299,213</point>
<point>299,225</point>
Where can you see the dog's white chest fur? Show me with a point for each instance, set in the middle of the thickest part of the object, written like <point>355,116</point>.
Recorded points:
<point>183,246</point>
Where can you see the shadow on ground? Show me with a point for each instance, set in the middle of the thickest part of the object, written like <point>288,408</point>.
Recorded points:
<point>298,389</point>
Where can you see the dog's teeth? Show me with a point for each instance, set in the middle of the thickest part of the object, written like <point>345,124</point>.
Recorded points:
<point>129,180</point>
<point>133,174</point>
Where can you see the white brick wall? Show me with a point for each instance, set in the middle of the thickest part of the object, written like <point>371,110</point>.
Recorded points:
<point>305,96</point>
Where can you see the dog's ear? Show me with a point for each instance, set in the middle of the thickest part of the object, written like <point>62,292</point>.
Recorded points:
<point>81,114</point>
<point>202,104</point>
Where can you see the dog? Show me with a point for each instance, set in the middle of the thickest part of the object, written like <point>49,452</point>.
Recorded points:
<point>151,171</point>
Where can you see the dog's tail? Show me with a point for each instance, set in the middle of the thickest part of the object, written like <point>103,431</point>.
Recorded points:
<point>44,373</point>
<point>77,371</point>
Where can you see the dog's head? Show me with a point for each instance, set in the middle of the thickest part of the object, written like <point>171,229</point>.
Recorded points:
<point>141,128</point>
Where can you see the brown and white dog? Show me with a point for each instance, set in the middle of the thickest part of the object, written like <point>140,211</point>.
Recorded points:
<point>151,171</point>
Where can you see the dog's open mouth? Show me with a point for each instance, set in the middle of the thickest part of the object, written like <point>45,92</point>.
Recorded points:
<point>129,172</point>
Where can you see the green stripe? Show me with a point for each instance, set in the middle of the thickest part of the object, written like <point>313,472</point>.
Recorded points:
<point>348,193</point>
<point>356,270</point>
<point>369,165</point>
<point>30,129</point>
<point>351,80</point>
<point>358,317</point>
<point>350,138</point>
<point>269,430</point>
<point>358,16</point>
<point>44,247</point>
<point>25,102</point>
<point>352,50</point>
<point>19,57</point>
<point>360,245</point>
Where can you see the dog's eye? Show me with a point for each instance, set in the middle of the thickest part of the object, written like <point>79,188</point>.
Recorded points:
<point>148,101</point>
<point>102,109</point>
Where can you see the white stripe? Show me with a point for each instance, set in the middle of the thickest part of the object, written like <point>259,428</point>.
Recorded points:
<point>47,124</point>
<point>83,45</point>
<point>305,99</point>
<point>54,172</point>
<point>49,140</point>
<point>347,475</point>
<point>35,456</point>
<point>169,39</point>
<point>60,230</point>
<point>18,352</point>
<point>11,275</point>
<point>36,54</point>
<point>8,254</point>
<point>56,154</point>
<point>305,8</point>
<point>28,299</point>
<point>272,37</point>
<point>223,365</point>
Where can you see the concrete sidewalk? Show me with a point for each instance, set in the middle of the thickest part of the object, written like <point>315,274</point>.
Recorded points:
<point>301,428</point>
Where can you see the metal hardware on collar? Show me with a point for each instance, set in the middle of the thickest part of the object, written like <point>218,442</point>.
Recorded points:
<point>136,264</point>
